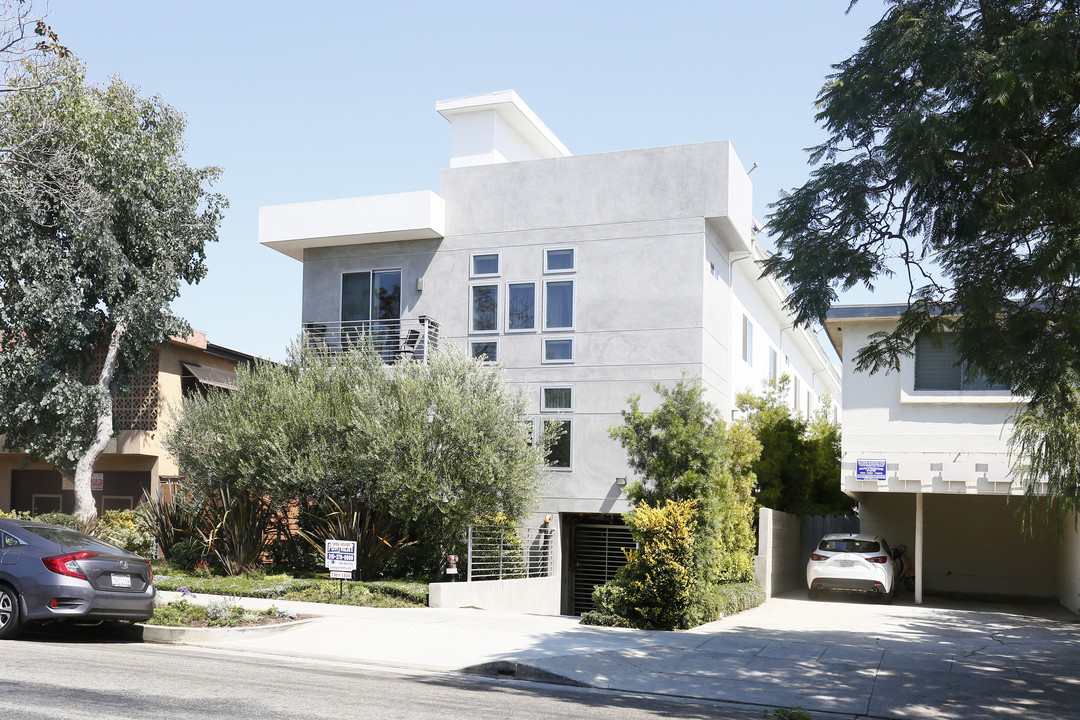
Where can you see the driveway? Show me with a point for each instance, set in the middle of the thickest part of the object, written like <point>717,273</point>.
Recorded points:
<point>944,659</point>
<point>957,660</point>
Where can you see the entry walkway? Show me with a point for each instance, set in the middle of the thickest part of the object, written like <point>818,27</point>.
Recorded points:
<point>955,660</point>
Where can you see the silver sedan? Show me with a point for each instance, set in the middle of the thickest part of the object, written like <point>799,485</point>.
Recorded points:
<point>50,573</point>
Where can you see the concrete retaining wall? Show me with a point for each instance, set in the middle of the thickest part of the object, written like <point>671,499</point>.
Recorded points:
<point>777,565</point>
<point>534,595</point>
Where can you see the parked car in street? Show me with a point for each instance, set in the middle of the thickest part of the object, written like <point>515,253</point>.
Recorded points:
<point>50,573</point>
<point>852,563</point>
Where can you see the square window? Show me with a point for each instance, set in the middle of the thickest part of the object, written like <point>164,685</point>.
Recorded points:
<point>560,452</point>
<point>485,264</point>
<point>559,305</point>
<point>559,260</point>
<point>485,308</point>
<point>556,398</point>
<point>488,350</point>
<point>521,306</point>
<point>558,350</point>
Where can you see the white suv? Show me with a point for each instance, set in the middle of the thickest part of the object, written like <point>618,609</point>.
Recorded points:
<point>856,563</point>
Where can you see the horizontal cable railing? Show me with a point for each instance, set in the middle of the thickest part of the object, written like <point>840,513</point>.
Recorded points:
<point>501,553</point>
<point>396,339</point>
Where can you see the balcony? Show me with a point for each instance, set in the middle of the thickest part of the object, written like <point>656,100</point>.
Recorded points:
<point>401,339</point>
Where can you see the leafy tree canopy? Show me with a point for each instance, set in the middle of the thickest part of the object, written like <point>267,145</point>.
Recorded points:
<point>799,468</point>
<point>682,451</point>
<point>101,220</point>
<point>954,155</point>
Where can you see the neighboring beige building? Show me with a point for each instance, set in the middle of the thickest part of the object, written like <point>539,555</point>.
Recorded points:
<point>135,460</point>
<point>925,452</point>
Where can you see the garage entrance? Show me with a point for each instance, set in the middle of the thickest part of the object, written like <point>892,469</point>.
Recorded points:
<point>592,552</point>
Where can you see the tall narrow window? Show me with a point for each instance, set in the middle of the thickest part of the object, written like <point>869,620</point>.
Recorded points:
<point>559,305</point>
<point>795,393</point>
<point>561,451</point>
<point>521,306</point>
<point>747,340</point>
<point>773,365</point>
<point>485,308</point>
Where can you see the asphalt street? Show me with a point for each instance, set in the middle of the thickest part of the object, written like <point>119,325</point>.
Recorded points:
<point>77,675</point>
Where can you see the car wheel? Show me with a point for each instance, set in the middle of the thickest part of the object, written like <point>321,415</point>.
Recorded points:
<point>813,594</point>
<point>909,583</point>
<point>9,613</point>
<point>887,598</point>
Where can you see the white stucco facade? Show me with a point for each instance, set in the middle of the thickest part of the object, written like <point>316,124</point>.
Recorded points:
<point>663,269</point>
<point>948,451</point>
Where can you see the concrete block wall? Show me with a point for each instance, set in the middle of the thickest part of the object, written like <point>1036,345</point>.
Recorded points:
<point>777,565</point>
<point>532,595</point>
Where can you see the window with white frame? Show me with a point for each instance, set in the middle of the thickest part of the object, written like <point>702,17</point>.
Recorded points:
<point>561,451</point>
<point>487,350</point>
<point>484,308</point>
<point>795,393</point>
<point>558,304</point>
<point>747,340</point>
<point>557,260</point>
<point>773,373</point>
<point>484,264</point>
<point>809,404</point>
<point>558,350</point>
<point>557,399</point>
<point>520,306</point>
<point>938,366</point>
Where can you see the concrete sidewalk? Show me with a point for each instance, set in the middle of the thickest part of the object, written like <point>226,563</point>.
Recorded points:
<point>961,660</point>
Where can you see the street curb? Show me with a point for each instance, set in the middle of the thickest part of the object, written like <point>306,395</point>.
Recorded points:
<point>182,635</point>
<point>520,671</point>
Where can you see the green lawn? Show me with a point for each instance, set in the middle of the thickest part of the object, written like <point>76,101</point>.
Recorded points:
<point>259,584</point>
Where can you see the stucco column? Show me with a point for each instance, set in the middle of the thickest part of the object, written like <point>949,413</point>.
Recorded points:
<point>918,547</point>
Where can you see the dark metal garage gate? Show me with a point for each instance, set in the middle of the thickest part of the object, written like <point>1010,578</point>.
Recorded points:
<point>595,553</point>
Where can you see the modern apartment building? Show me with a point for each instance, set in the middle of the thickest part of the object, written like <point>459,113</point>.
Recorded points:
<point>590,278</point>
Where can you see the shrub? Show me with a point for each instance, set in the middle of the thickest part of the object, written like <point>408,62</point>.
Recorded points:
<point>656,587</point>
<point>123,529</point>
<point>719,601</point>
<point>186,554</point>
<point>234,528</point>
<point>14,514</point>
<point>171,520</point>
<point>594,617</point>
<point>62,519</point>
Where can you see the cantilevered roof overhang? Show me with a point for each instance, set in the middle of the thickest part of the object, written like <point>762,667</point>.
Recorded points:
<point>834,321</point>
<point>291,229</point>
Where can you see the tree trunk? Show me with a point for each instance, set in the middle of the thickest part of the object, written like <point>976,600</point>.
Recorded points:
<point>85,508</point>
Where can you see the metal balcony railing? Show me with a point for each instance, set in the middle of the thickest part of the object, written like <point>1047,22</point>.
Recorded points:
<point>400,339</point>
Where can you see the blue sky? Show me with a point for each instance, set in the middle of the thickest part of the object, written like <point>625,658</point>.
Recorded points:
<point>321,100</point>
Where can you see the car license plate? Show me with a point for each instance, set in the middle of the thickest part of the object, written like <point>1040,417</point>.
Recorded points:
<point>845,563</point>
<point>121,581</point>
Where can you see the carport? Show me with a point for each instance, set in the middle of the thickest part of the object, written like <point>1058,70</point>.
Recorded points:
<point>970,545</point>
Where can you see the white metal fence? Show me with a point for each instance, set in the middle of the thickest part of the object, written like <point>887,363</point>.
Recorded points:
<point>501,553</point>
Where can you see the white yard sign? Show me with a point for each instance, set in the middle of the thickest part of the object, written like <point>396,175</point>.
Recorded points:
<point>340,555</point>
